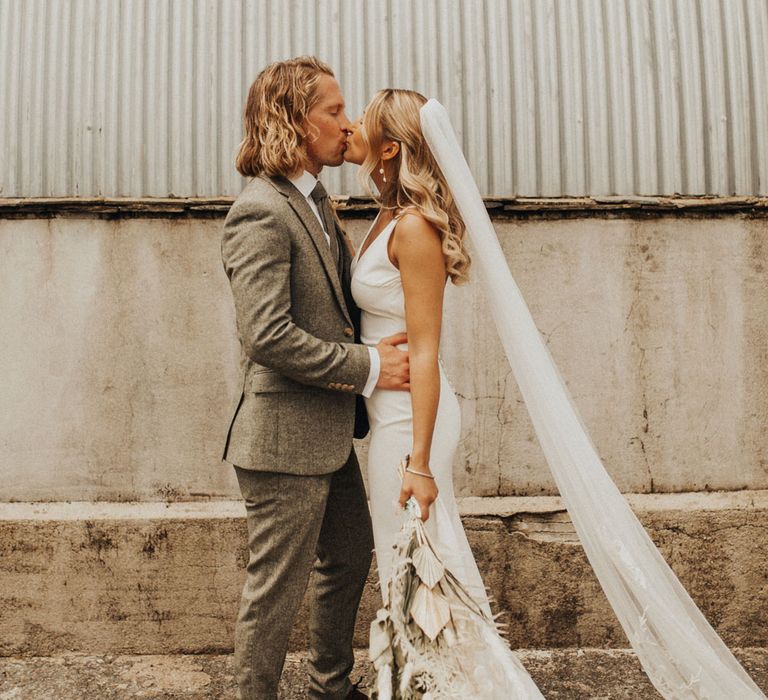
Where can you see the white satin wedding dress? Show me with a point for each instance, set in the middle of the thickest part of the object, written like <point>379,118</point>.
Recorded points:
<point>378,291</point>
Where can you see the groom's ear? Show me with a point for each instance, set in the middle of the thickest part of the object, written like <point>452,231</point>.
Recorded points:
<point>389,150</point>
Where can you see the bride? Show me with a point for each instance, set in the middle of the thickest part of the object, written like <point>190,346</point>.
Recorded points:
<point>429,204</point>
<point>414,247</point>
<point>416,244</point>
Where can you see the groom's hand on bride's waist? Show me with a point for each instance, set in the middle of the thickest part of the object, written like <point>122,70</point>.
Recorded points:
<point>395,373</point>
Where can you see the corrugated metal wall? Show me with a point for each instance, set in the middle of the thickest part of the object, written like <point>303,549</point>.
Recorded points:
<point>550,97</point>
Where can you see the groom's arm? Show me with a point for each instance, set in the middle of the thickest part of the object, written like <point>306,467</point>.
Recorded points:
<point>256,252</point>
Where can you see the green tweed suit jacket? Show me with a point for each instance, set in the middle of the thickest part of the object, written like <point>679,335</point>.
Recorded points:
<point>297,324</point>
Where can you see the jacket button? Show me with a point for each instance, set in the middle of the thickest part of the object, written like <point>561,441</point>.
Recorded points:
<point>349,332</point>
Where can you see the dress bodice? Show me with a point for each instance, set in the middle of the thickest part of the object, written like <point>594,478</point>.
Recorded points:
<point>378,289</point>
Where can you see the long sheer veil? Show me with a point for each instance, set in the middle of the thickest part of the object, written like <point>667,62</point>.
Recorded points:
<point>678,649</point>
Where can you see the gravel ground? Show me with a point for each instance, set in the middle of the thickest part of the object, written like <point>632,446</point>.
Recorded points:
<point>565,674</point>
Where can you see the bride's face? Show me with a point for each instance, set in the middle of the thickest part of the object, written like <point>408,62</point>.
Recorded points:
<point>356,148</point>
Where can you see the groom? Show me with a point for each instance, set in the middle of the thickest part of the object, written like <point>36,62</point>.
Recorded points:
<point>304,372</point>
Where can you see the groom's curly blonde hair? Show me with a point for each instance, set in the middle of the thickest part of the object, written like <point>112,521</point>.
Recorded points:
<point>417,182</point>
<point>278,103</point>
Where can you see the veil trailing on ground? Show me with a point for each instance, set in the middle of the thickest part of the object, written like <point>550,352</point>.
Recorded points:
<point>683,656</point>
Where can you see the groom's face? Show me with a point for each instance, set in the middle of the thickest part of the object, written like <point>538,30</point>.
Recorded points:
<point>327,125</point>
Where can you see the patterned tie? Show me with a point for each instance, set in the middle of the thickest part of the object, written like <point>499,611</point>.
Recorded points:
<point>320,196</point>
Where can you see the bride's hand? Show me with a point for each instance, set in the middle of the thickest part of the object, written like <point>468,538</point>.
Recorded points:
<point>422,488</point>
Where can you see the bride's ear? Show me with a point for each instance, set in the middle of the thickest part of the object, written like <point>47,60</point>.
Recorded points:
<point>389,150</point>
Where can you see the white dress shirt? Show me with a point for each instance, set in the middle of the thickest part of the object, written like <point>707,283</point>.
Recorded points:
<point>305,183</point>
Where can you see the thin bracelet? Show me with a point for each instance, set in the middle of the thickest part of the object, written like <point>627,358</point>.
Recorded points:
<point>413,471</point>
<point>407,462</point>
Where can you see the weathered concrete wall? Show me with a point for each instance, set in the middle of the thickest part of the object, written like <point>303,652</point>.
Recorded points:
<point>151,578</point>
<point>118,356</point>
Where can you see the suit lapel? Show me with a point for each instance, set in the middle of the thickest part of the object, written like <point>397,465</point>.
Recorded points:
<point>346,267</point>
<point>312,226</point>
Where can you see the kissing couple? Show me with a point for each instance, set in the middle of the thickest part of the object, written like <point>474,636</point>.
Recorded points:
<point>336,344</point>
<point>332,342</point>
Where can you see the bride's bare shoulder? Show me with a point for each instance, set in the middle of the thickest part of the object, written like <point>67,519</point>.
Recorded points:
<point>415,239</point>
<point>414,227</point>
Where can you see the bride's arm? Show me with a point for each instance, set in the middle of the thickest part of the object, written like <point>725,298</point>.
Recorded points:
<point>416,249</point>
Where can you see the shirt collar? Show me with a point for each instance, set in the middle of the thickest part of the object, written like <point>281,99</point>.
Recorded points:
<point>304,183</point>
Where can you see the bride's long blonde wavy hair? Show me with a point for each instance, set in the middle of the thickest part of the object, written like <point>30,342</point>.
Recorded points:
<point>415,181</point>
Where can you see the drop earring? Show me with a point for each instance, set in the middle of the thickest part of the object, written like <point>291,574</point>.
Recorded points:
<point>381,172</point>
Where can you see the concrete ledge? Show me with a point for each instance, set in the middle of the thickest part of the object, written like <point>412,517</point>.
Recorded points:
<point>503,506</point>
<point>573,674</point>
<point>354,207</point>
<point>156,578</point>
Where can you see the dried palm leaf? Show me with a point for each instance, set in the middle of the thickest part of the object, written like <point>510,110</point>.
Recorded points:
<point>432,641</point>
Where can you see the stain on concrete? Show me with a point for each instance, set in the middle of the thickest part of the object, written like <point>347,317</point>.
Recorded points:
<point>168,492</point>
<point>154,542</point>
<point>97,540</point>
